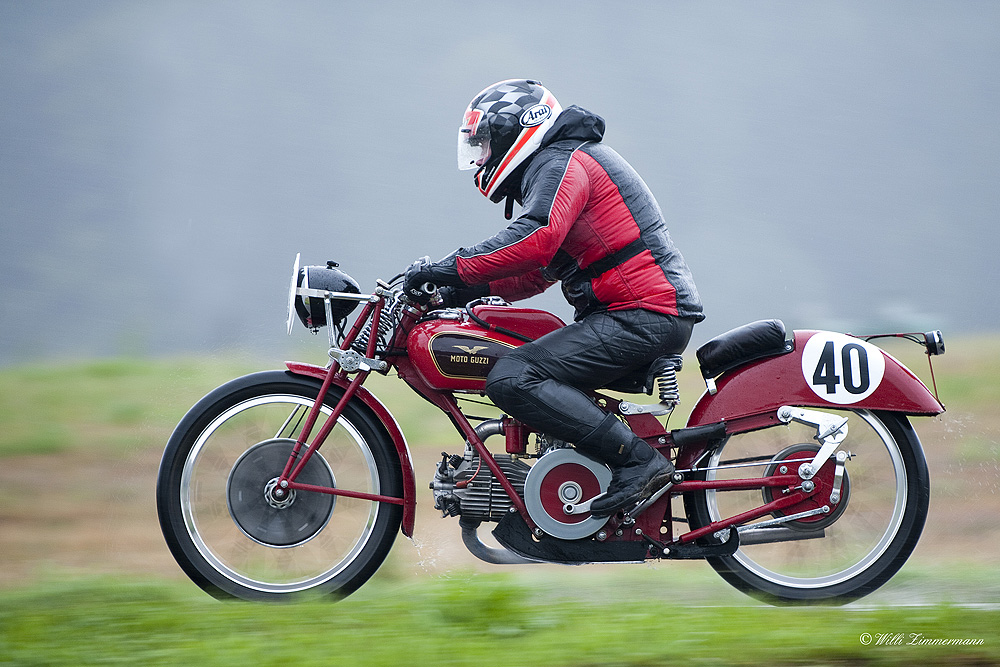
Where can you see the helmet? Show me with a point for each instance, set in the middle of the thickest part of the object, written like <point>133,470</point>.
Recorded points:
<point>312,310</point>
<point>501,130</point>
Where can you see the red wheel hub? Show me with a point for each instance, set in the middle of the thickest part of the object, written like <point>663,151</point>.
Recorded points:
<point>787,461</point>
<point>567,483</point>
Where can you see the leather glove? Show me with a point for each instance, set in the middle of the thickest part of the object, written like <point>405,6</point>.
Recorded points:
<point>424,271</point>
<point>456,297</point>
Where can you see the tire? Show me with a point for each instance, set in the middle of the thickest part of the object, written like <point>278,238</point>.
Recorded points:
<point>886,490</point>
<point>217,520</point>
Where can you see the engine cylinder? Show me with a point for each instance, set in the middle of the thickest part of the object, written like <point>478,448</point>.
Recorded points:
<point>471,491</point>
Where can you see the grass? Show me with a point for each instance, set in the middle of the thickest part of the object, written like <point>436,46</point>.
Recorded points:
<point>653,615</point>
<point>49,408</point>
<point>485,620</point>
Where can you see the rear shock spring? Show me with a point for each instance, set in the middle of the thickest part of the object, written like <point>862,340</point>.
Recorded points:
<point>670,392</point>
<point>666,380</point>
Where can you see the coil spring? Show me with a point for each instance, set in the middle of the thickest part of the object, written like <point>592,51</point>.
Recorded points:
<point>665,375</point>
<point>666,384</point>
<point>385,325</point>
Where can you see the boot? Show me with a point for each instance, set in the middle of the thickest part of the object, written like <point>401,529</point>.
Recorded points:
<point>638,470</point>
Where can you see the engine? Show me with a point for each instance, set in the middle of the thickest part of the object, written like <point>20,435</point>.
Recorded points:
<point>464,486</point>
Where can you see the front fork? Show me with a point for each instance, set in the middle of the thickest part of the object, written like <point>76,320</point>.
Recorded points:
<point>344,360</point>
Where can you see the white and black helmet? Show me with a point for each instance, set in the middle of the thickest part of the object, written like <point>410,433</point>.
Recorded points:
<point>503,127</point>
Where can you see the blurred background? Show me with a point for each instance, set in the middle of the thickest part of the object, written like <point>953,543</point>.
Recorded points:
<point>831,164</point>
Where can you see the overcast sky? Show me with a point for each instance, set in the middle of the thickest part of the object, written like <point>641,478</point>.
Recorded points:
<point>833,164</point>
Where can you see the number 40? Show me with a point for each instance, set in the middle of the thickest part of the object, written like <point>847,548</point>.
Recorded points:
<point>851,355</point>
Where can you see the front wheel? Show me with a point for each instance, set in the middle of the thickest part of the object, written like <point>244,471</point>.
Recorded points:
<point>834,555</point>
<point>225,528</point>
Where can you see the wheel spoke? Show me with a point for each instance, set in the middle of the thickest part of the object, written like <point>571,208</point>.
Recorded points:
<point>864,534</point>
<point>299,410</point>
<point>264,551</point>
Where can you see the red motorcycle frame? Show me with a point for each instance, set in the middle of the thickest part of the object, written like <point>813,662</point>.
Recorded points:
<point>757,388</point>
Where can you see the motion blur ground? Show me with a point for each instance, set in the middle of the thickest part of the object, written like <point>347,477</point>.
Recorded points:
<point>86,578</point>
<point>81,504</point>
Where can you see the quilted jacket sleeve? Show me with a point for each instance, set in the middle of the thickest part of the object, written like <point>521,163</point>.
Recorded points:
<point>556,191</point>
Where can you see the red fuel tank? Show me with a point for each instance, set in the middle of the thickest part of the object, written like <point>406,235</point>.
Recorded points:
<point>457,354</point>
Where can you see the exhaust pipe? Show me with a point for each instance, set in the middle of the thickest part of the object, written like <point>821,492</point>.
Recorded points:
<point>777,534</point>
<point>491,555</point>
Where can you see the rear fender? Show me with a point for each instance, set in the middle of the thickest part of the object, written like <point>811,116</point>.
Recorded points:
<point>825,370</point>
<point>382,414</point>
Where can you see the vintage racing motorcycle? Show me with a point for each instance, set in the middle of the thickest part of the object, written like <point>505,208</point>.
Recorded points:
<point>799,477</point>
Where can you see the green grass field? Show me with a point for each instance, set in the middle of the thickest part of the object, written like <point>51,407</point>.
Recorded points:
<point>480,620</point>
<point>86,579</point>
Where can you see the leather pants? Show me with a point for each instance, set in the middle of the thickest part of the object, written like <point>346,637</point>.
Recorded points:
<point>543,383</point>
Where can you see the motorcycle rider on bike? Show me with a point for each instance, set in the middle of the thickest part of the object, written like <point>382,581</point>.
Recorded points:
<point>590,222</point>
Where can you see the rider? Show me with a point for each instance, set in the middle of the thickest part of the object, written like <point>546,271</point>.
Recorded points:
<point>589,221</point>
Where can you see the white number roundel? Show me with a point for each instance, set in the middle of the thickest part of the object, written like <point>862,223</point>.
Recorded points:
<point>841,369</point>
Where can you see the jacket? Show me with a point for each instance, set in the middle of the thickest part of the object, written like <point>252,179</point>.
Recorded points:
<point>589,221</point>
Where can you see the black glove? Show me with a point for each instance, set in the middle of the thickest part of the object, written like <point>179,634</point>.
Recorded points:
<point>424,271</point>
<point>456,297</point>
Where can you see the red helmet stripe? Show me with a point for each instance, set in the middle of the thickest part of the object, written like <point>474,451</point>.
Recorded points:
<point>513,151</point>
<point>471,121</point>
<point>548,99</point>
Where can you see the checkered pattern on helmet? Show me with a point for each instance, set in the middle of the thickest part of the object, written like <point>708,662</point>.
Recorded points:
<point>503,104</point>
<point>505,125</point>
<point>509,98</point>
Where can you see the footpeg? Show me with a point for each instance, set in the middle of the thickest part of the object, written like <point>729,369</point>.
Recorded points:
<point>692,551</point>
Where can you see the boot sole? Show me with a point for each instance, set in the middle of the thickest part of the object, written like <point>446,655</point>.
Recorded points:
<point>655,483</point>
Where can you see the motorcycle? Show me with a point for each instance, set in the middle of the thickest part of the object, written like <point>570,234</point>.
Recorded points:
<point>798,475</point>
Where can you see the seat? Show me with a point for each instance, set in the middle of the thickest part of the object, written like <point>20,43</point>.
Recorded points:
<point>740,346</point>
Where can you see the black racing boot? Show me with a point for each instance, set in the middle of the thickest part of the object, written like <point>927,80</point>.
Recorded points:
<point>638,470</point>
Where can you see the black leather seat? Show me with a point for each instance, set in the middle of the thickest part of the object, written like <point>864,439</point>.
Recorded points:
<point>750,342</point>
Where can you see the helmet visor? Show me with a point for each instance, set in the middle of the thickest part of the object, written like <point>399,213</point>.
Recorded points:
<point>473,141</point>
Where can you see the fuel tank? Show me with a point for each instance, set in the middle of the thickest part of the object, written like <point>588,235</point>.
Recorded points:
<point>452,352</point>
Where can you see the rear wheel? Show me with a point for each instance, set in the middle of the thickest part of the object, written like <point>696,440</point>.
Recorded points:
<point>836,554</point>
<point>224,526</point>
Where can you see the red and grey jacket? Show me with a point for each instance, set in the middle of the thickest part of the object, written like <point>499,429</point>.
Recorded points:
<point>589,221</point>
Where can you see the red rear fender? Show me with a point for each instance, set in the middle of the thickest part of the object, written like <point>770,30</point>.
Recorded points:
<point>825,369</point>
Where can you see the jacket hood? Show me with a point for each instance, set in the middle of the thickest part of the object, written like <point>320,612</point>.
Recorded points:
<point>575,123</point>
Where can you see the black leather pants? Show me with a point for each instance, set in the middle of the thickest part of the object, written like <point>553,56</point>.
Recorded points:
<point>542,383</point>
